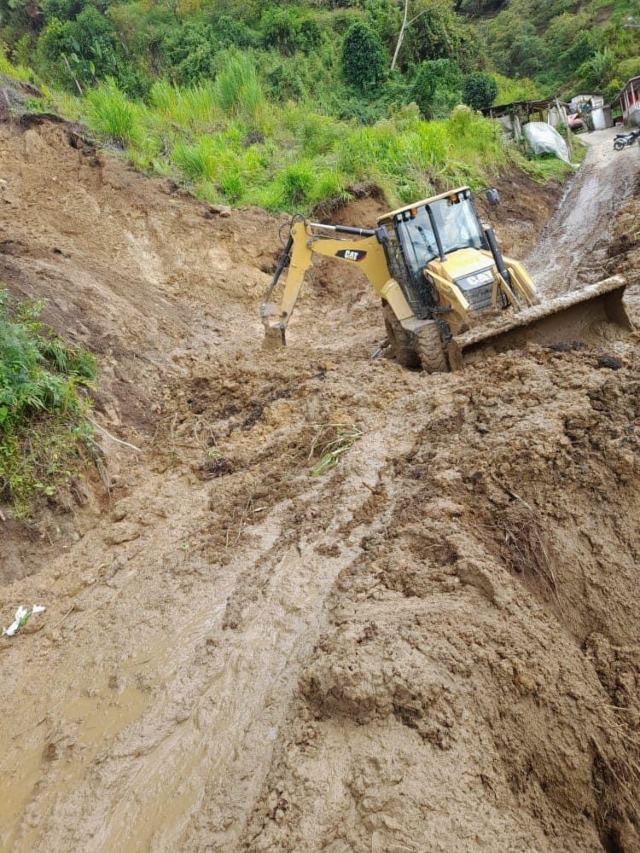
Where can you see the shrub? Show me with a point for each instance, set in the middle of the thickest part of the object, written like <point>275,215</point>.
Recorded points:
<point>190,53</point>
<point>436,87</point>
<point>289,30</point>
<point>479,90</point>
<point>363,58</point>
<point>626,69</point>
<point>297,183</point>
<point>42,415</point>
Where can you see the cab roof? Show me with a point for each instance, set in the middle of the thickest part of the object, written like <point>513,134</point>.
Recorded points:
<point>386,217</point>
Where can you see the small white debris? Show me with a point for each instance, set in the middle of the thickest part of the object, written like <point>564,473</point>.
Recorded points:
<point>21,617</point>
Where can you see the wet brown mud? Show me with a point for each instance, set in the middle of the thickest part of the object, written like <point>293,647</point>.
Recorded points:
<point>431,646</point>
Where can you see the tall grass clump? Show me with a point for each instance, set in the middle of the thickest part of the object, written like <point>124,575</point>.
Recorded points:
<point>238,89</point>
<point>194,107</point>
<point>196,162</point>
<point>112,114</point>
<point>43,426</point>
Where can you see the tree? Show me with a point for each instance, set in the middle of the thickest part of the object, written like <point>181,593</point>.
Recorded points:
<point>363,57</point>
<point>433,31</point>
<point>436,87</point>
<point>190,51</point>
<point>479,90</point>
<point>83,50</point>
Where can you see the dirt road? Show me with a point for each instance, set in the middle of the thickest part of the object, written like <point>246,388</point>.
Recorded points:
<point>573,250</point>
<point>431,646</point>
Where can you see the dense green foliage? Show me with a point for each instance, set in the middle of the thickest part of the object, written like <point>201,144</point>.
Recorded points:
<point>568,46</point>
<point>332,54</point>
<point>363,59</point>
<point>479,90</point>
<point>335,54</point>
<point>42,414</point>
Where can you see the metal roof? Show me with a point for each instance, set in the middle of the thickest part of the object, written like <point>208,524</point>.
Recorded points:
<point>622,91</point>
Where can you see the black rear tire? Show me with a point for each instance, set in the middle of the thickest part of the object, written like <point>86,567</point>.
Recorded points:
<point>430,349</point>
<point>400,343</point>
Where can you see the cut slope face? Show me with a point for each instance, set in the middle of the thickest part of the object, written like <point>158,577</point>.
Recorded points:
<point>430,647</point>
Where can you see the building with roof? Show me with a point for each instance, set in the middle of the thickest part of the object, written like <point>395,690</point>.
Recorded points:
<point>629,101</point>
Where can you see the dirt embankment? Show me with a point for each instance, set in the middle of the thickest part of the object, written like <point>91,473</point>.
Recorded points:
<point>430,647</point>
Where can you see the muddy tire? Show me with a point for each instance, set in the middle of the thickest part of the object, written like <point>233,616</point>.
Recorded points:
<point>400,343</point>
<point>618,145</point>
<point>430,350</point>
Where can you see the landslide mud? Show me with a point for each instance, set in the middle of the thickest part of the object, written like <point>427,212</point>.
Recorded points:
<point>430,647</point>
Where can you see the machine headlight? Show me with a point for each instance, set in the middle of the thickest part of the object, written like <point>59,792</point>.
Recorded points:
<point>478,279</point>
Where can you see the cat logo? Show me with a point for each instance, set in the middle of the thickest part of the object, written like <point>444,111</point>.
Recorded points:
<point>351,255</point>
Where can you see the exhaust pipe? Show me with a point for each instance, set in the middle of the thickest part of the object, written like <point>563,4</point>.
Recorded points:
<point>490,237</point>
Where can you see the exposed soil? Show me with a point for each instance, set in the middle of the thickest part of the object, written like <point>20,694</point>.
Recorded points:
<point>432,646</point>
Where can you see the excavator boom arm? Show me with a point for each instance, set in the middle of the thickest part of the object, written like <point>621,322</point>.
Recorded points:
<point>358,246</point>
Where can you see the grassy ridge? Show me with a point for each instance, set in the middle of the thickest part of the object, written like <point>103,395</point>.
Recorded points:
<point>227,143</point>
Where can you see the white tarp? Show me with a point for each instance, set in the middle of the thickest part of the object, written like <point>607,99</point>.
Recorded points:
<point>544,139</point>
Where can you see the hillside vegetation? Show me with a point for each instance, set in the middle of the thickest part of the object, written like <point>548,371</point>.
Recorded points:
<point>284,106</point>
<point>336,55</point>
<point>565,45</point>
<point>287,105</point>
<point>43,426</point>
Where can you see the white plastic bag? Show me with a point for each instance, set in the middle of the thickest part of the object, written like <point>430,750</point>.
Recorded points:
<point>544,139</point>
<point>22,615</point>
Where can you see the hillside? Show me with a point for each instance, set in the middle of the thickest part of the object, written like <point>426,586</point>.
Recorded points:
<point>339,57</point>
<point>565,46</point>
<point>428,647</point>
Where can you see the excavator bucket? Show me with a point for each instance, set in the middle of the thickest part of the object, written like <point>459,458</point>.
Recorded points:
<point>588,315</point>
<point>274,333</point>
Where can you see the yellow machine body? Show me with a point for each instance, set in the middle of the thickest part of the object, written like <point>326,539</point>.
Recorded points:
<point>443,282</point>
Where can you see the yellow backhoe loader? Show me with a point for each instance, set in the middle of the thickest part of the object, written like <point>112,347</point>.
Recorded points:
<point>445,286</point>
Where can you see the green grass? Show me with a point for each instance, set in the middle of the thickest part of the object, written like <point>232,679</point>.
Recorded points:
<point>16,72</point>
<point>225,141</point>
<point>43,425</point>
<point>109,112</point>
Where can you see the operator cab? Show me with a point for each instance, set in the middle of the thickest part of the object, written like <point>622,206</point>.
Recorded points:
<point>435,229</point>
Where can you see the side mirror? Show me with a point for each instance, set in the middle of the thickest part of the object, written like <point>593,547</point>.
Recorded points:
<point>493,197</point>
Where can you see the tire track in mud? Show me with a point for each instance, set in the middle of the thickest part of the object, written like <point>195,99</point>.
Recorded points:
<point>229,679</point>
<point>213,759</point>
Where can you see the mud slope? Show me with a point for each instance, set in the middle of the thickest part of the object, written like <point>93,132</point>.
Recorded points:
<point>430,647</point>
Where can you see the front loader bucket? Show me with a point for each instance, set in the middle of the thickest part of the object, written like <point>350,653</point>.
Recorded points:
<point>576,316</point>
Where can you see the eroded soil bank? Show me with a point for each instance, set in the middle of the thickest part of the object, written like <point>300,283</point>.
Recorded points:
<point>430,647</point>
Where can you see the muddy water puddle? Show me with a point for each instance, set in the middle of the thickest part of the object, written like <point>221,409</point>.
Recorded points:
<point>103,716</point>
